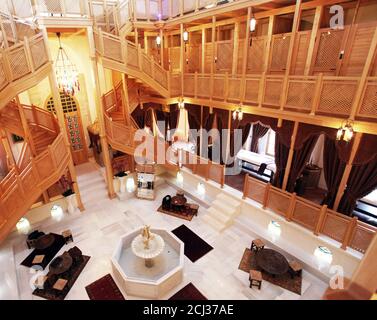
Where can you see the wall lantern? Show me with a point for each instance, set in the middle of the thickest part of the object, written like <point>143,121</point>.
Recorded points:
<point>23,226</point>
<point>323,256</point>
<point>158,41</point>
<point>185,36</point>
<point>130,185</point>
<point>345,132</point>
<point>274,230</point>
<point>57,212</point>
<point>180,178</point>
<point>238,114</point>
<point>201,189</point>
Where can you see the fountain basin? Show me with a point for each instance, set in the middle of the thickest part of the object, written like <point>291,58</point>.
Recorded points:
<point>154,282</point>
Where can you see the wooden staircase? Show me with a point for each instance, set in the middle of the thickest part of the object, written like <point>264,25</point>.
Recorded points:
<point>222,212</point>
<point>44,159</point>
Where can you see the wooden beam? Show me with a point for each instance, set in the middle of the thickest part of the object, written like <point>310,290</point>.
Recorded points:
<point>290,156</point>
<point>203,50</point>
<point>364,76</point>
<point>245,55</point>
<point>347,170</point>
<point>126,104</point>
<point>313,37</point>
<point>236,42</point>
<point>182,58</point>
<point>271,23</point>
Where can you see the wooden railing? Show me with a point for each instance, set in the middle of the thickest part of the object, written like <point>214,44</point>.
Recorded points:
<point>133,60</point>
<point>62,8</point>
<point>23,186</point>
<point>349,232</point>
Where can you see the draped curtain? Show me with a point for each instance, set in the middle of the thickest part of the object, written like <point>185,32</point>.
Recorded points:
<point>299,161</point>
<point>363,176</point>
<point>333,169</point>
<point>259,131</point>
<point>362,181</point>
<point>281,159</point>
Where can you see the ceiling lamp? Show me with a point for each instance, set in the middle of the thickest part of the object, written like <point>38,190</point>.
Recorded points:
<point>238,114</point>
<point>66,72</point>
<point>345,132</point>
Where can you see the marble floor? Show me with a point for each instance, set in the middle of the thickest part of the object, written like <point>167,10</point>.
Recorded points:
<point>97,230</point>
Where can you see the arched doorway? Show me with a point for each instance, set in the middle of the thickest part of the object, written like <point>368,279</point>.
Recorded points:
<point>74,126</point>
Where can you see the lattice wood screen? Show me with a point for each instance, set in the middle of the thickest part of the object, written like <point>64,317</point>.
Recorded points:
<point>368,106</point>
<point>256,55</point>
<point>328,48</point>
<point>279,52</point>
<point>300,95</point>
<point>358,47</point>
<point>300,52</point>
<point>337,96</point>
<point>224,53</point>
<point>194,54</point>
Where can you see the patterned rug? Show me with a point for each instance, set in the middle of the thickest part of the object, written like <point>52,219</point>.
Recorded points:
<point>104,289</point>
<point>71,275</point>
<point>285,281</point>
<point>195,247</point>
<point>189,292</point>
<point>49,253</point>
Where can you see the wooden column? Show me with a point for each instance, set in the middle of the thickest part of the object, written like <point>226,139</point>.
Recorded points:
<point>182,58</point>
<point>63,128</point>
<point>8,149</point>
<point>203,50</point>
<point>213,44</point>
<point>296,20</point>
<point>313,37</point>
<point>145,44</point>
<point>347,170</point>
<point>245,51</point>
<point>271,23</point>
<point>126,104</point>
<point>290,156</point>
<point>364,76</point>
<point>103,138</point>
<point>236,42</point>
<point>162,48</point>
<point>25,127</point>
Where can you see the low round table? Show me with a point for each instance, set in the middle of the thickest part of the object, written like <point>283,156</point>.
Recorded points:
<point>44,242</point>
<point>272,262</point>
<point>61,264</point>
<point>178,202</point>
<point>156,247</point>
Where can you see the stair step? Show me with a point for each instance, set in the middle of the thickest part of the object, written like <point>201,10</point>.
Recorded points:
<point>213,223</point>
<point>229,200</point>
<point>225,207</point>
<point>220,216</point>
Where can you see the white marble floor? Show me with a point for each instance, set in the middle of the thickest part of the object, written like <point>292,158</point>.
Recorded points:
<point>98,228</point>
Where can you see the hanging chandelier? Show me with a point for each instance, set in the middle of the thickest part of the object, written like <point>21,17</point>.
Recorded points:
<point>66,72</point>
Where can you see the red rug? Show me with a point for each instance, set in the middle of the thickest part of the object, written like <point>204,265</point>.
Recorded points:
<point>104,289</point>
<point>189,292</point>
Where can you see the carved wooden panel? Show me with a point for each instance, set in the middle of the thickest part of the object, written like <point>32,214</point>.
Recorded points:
<point>224,54</point>
<point>300,52</point>
<point>300,95</point>
<point>278,202</point>
<point>368,106</point>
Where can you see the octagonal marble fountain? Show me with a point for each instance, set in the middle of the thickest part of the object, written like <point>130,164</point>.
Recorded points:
<point>148,263</point>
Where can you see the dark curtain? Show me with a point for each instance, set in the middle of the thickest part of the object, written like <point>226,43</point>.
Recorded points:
<point>138,115</point>
<point>194,119</point>
<point>281,159</point>
<point>333,169</point>
<point>300,159</point>
<point>259,131</point>
<point>173,118</point>
<point>362,181</point>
